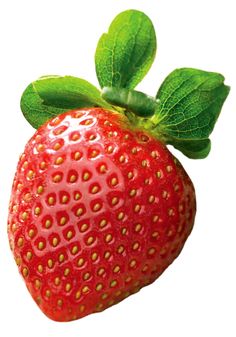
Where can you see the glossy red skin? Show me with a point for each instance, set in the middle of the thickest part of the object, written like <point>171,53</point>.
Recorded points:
<point>150,220</point>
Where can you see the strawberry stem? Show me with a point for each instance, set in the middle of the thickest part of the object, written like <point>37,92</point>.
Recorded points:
<point>133,101</point>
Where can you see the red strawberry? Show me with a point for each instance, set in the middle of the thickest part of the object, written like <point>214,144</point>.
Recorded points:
<point>98,210</point>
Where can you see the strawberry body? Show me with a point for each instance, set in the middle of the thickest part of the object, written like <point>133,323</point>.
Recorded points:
<point>98,210</point>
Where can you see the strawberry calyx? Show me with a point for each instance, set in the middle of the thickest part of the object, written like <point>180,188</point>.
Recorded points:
<point>183,112</point>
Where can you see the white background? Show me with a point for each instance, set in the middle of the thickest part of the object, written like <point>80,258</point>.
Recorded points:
<point>196,296</point>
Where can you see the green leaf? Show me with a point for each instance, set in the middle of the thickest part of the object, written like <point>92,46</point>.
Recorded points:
<point>125,54</point>
<point>197,149</point>
<point>34,110</point>
<point>190,103</point>
<point>50,96</point>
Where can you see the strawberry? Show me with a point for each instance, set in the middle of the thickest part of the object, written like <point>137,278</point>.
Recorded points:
<point>99,206</point>
<point>98,210</point>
